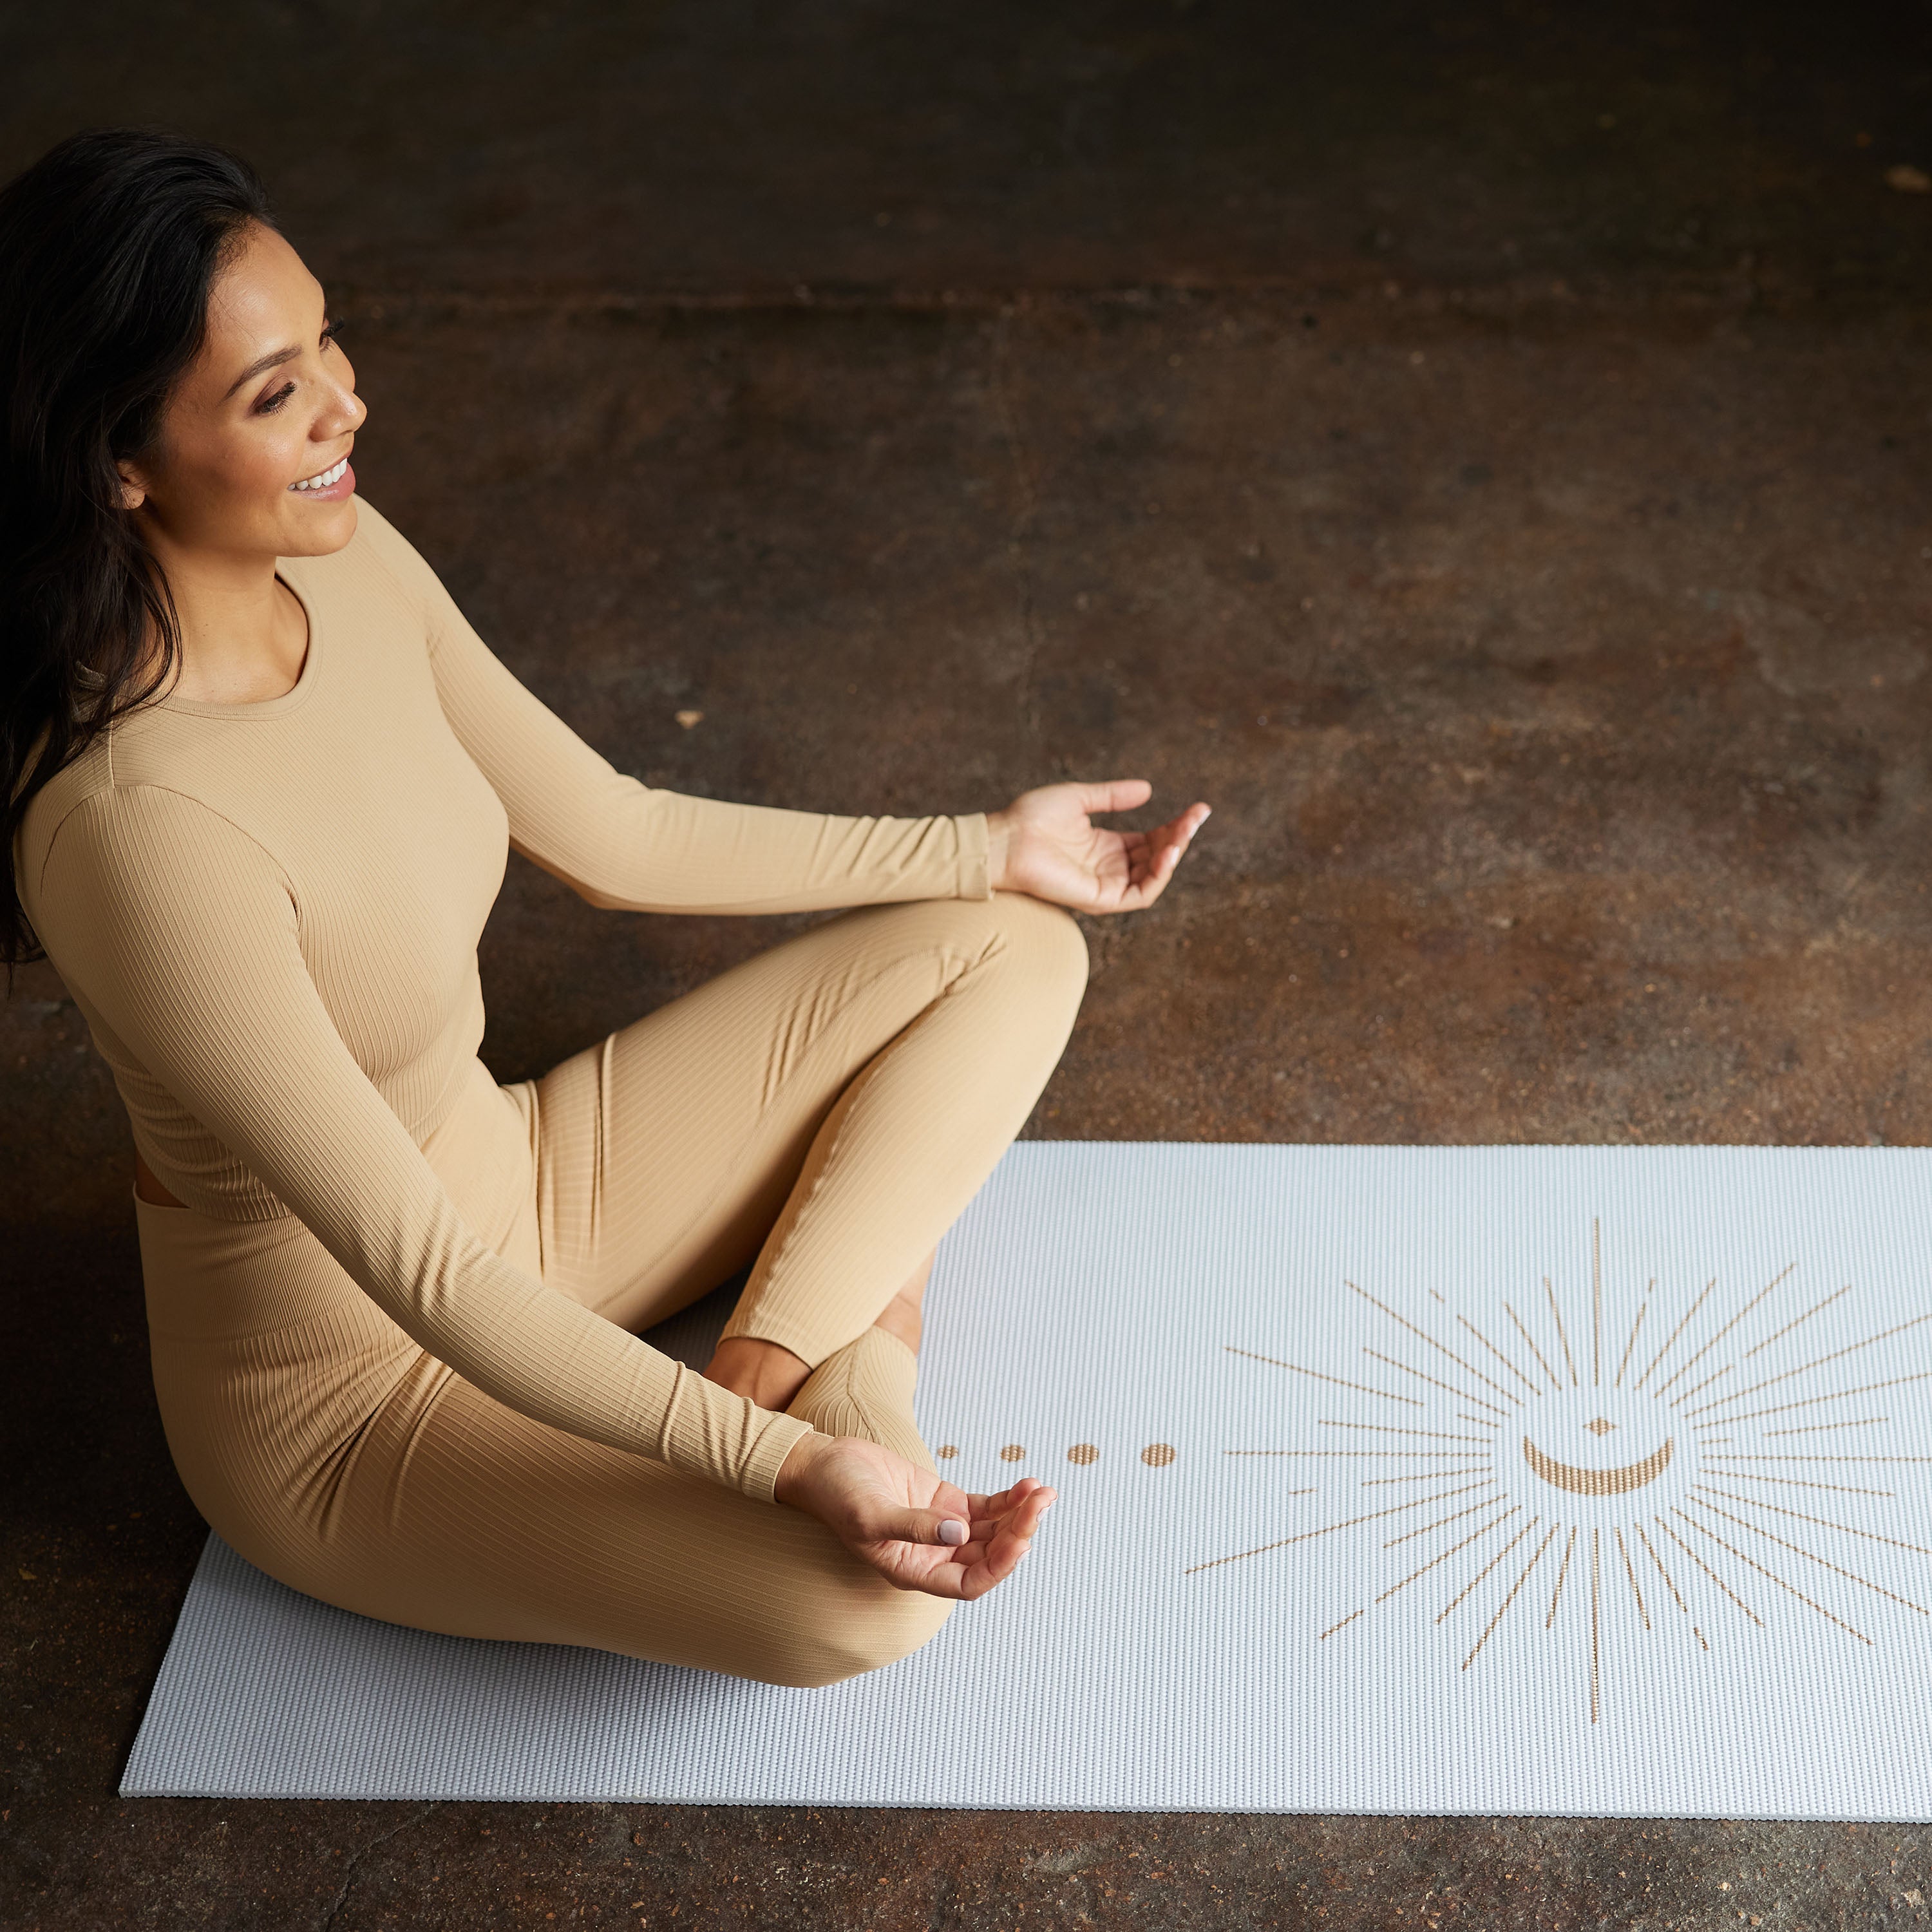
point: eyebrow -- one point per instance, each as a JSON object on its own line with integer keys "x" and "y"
{"x": 260, "y": 366}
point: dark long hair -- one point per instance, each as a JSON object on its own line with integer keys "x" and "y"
{"x": 109, "y": 244}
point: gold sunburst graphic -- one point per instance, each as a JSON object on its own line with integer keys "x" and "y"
{"x": 1517, "y": 1457}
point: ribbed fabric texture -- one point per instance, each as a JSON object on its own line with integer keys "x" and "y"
{"x": 269, "y": 915}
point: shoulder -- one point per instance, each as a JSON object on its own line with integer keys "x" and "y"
{"x": 102, "y": 837}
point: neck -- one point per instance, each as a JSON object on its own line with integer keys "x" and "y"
{"x": 243, "y": 635}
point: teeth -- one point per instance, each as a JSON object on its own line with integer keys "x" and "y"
{"x": 332, "y": 475}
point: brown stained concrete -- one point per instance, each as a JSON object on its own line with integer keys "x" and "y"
{"x": 1515, "y": 526}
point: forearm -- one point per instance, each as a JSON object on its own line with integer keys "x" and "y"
{"x": 628, "y": 847}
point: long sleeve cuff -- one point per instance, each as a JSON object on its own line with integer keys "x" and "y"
{"x": 759, "y": 1478}
{"x": 980, "y": 851}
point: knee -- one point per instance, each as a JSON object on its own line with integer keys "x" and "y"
{"x": 1046, "y": 939}
{"x": 847, "y": 1639}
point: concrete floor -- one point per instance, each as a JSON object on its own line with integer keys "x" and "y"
{"x": 1483, "y": 449}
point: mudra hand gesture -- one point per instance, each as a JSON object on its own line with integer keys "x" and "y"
{"x": 917, "y": 1531}
{"x": 1045, "y": 843}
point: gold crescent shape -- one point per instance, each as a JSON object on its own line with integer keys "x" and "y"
{"x": 1596, "y": 1482}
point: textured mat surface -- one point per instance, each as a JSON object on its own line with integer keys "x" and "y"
{"x": 1552, "y": 1479}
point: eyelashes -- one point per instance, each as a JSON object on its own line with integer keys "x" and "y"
{"x": 269, "y": 404}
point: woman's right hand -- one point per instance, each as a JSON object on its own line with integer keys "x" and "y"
{"x": 917, "y": 1531}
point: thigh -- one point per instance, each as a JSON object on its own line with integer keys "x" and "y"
{"x": 463, "y": 1517}
{"x": 665, "y": 1152}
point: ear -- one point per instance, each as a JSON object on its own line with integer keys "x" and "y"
{"x": 134, "y": 491}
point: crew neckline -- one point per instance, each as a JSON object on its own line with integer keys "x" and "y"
{"x": 263, "y": 707}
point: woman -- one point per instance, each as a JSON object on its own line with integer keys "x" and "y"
{"x": 262, "y": 778}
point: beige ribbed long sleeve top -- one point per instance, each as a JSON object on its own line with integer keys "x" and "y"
{"x": 268, "y": 914}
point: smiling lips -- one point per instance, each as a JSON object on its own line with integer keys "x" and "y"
{"x": 323, "y": 480}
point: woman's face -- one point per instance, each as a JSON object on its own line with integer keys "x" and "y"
{"x": 268, "y": 406}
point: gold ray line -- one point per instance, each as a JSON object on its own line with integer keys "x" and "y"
{"x": 1775, "y": 1577}
{"x": 1728, "y": 1327}
{"x": 1670, "y": 1580}
{"x": 1885, "y": 1335}
{"x": 1823, "y": 1522}
{"x": 1596, "y": 1303}
{"x": 1695, "y": 1386}
{"x": 1428, "y": 1476}
{"x": 1569, "y": 1360}
{"x": 1441, "y": 1522}
{"x": 1329, "y": 1529}
{"x": 1811, "y": 1556}
{"x": 1793, "y": 1482}
{"x": 1499, "y": 1355}
{"x": 1369, "y": 1455}
{"x": 1630, "y": 1571}
{"x": 1339, "y": 1382}
{"x": 1390, "y": 1429}
{"x": 1563, "y": 1570}
{"x": 1468, "y": 1368}
{"x": 1643, "y": 1309}
{"x": 1596, "y": 1544}
{"x": 1470, "y": 1458}
{"x": 1522, "y": 1578}
{"x": 1813, "y": 1401}
{"x": 1491, "y": 1563}
{"x": 1461, "y": 1394}
{"x": 1475, "y": 1537}
{"x": 1782, "y": 1458}
{"x": 1555, "y": 1381}
{"x": 1819, "y": 1428}
{"x": 1708, "y": 1571}
{"x": 1491, "y": 1427}
{"x": 1343, "y": 1624}
{"x": 1674, "y": 1333}
{"x": 1789, "y": 1325}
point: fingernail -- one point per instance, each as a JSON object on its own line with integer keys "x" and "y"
{"x": 953, "y": 1532}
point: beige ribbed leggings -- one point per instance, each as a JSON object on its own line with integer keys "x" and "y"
{"x": 828, "y": 1107}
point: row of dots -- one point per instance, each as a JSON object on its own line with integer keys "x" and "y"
{"x": 1155, "y": 1455}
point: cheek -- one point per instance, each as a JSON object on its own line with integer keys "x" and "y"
{"x": 240, "y": 471}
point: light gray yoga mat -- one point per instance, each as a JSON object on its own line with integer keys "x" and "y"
{"x": 1546, "y": 1480}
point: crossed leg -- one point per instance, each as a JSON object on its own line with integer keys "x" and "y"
{"x": 823, "y": 1110}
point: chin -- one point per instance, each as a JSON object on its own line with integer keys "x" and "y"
{"x": 320, "y": 535}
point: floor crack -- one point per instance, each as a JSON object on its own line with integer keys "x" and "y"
{"x": 356, "y": 1857}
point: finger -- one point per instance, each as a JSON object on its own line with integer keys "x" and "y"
{"x": 1115, "y": 795}
{"x": 945, "y": 1579}
{"x": 1002, "y": 1558}
{"x": 1010, "y": 1539}
{"x": 949, "y": 1527}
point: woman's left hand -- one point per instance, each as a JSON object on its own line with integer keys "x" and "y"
{"x": 1046, "y": 845}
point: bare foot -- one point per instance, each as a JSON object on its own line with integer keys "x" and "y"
{"x": 901, "y": 1317}
{"x": 770, "y": 1375}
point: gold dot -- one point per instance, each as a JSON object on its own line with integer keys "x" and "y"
{"x": 1012, "y": 1453}
{"x": 1157, "y": 1455}
{"x": 1083, "y": 1453}
{"x": 947, "y": 1451}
